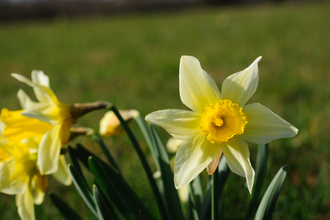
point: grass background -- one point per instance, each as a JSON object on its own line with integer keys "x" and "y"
{"x": 132, "y": 61}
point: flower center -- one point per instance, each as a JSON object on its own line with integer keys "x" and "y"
{"x": 222, "y": 121}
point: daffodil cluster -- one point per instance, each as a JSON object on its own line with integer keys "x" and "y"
{"x": 30, "y": 144}
{"x": 219, "y": 123}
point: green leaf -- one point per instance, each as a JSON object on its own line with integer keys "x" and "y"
{"x": 192, "y": 201}
{"x": 170, "y": 193}
{"x": 145, "y": 165}
{"x": 84, "y": 155}
{"x": 67, "y": 212}
{"x": 197, "y": 188}
{"x": 148, "y": 137}
{"x": 261, "y": 171}
{"x": 104, "y": 209}
{"x": 267, "y": 204}
{"x": 223, "y": 171}
{"x": 105, "y": 150}
{"x": 83, "y": 189}
{"x": 74, "y": 160}
{"x": 111, "y": 182}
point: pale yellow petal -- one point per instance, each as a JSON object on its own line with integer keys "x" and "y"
{"x": 237, "y": 155}
{"x": 38, "y": 196}
{"x": 25, "y": 100}
{"x": 13, "y": 177}
{"x": 42, "y": 112}
{"x": 25, "y": 205}
{"x": 40, "y": 187}
{"x": 49, "y": 151}
{"x": 197, "y": 88}
{"x": 39, "y": 78}
{"x": 173, "y": 144}
{"x": 63, "y": 174}
{"x": 192, "y": 158}
{"x": 264, "y": 126}
{"x": 180, "y": 124}
{"x": 239, "y": 87}
{"x": 46, "y": 91}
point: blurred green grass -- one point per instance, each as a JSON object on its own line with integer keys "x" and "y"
{"x": 132, "y": 61}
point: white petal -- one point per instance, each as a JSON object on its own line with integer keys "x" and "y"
{"x": 40, "y": 111}
{"x": 25, "y": 206}
{"x": 38, "y": 77}
{"x": 197, "y": 88}
{"x": 13, "y": 177}
{"x": 47, "y": 95}
{"x": 237, "y": 156}
{"x": 192, "y": 158}
{"x": 63, "y": 174}
{"x": 239, "y": 87}
{"x": 264, "y": 126}
{"x": 180, "y": 124}
{"x": 49, "y": 151}
{"x": 25, "y": 100}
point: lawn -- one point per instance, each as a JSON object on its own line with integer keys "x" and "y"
{"x": 132, "y": 61}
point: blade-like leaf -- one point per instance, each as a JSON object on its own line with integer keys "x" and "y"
{"x": 84, "y": 154}
{"x": 170, "y": 193}
{"x": 83, "y": 189}
{"x": 105, "y": 150}
{"x": 261, "y": 171}
{"x": 145, "y": 165}
{"x": 267, "y": 204}
{"x": 103, "y": 207}
{"x": 64, "y": 208}
{"x": 148, "y": 137}
{"x": 192, "y": 202}
{"x": 74, "y": 160}
{"x": 198, "y": 192}
{"x": 108, "y": 178}
{"x": 223, "y": 171}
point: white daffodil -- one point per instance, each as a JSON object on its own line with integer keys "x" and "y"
{"x": 55, "y": 115}
{"x": 219, "y": 122}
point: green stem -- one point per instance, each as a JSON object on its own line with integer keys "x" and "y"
{"x": 213, "y": 199}
{"x": 144, "y": 162}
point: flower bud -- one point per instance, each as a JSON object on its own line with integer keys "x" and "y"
{"x": 110, "y": 124}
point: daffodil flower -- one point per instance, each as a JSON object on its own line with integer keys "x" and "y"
{"x": 219, "y": 122}
{"x": 48, "y": 109}
{"x": 19, "y": 174}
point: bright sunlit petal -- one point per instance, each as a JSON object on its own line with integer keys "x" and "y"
{"x": 25, "y": 206}
{"x": 180, "y": 124}
{"x": 265, "y": 126}
{"x": 49, "y": 148}
{"x": 13, "y": 177}
{"x": 239, "y": 87}
{"x": 63, "y": 174}
{"x": 237, "y": 156}
{"x": 193, "y": 156}
{"x": 197, "y": 88}
{"x": 38, "y": 77}
{"x": 25, "y": 100}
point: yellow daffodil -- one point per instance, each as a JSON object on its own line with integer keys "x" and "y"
{"x": 110, "y": 125}
{"x": 55, "y": 115}
{"x": 219, "y": 122}
{"x": 19, "y": 174}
